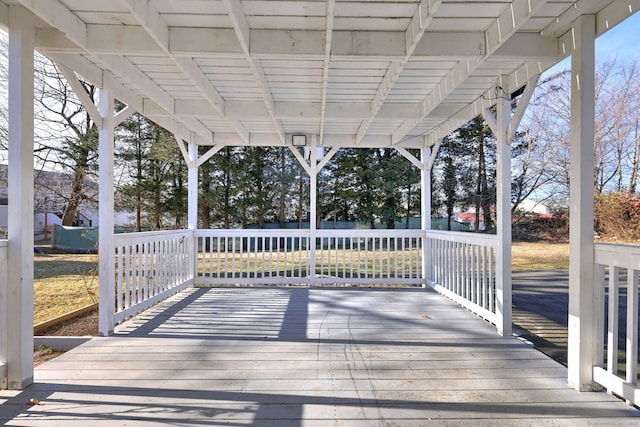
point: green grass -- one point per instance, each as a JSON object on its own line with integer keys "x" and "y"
{"x": 63, "y": 283}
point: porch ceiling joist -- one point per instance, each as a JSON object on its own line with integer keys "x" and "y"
{"x": 243, "y": 34}
{"x": 157, "y": 28}
{"x": 413, "y": 34}
{"x": 504, "y": 27}
{"x": 245, "y": 72}
{"x": 267, "y": 43}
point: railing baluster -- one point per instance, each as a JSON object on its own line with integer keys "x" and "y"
{"x": 632, "y": 327}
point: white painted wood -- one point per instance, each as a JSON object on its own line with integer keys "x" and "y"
{"x": 503, "y": 213}
{"x": 613, "y": 327}
{"x": 192, "y": 190}
{"x": 151, "y": 266}
{"x": 425, "y": 212}
{"x": 4, "y": 320}
{"x": 262, "y": 257}
{"x": 631, "y": 366}
{"x": 340, "y": 54}
{"x": 313, "y": 209}
{"x": 78, "y": 89}
{"x": 624, "y": 386}
{"x": 582, "y": 292}
{"x": 19, "y": 284}
{"x": 106, "y": 246}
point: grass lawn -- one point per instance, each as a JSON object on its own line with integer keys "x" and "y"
{"x": 527, "y": 256}
{"x": 63, "y": 283}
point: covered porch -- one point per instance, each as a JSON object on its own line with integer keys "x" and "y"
{"x": 437, "y": 67}
{"x": 307, "y": 357}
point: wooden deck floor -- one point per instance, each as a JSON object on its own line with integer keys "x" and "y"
{"x": 307, "y": 357}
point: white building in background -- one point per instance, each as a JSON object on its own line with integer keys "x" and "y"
{"x": 533, "y": 206}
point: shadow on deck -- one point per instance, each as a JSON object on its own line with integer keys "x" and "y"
{"x": 307, "y": 357}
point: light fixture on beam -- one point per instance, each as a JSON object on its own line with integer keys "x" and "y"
{"x": 299, "y": 140}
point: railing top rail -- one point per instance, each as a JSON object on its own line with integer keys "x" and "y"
{"x": 151, "y": 236}
{"x": 490, "y": 240}
{"x": 626, "y": 256}
{"x": 305, "y": 232}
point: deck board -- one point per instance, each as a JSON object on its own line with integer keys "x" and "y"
{"x": 307, "y": 357}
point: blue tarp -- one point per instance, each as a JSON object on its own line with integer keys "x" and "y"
{"x": 75, "y": 239}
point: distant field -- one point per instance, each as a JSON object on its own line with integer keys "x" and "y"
{"x": 66, "y": 282}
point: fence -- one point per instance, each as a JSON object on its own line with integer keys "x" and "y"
{"x": 150, "y": 266}
{"x": 617, "y": 271}
{"x": 337, "y": 257}
{"x": 462, "y": 266}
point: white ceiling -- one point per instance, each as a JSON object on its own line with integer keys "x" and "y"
{"x": 348, "y": 73}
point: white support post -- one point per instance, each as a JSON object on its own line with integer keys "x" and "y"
{"x": 503, "y": 215}
{"x": 582, "y": 346}
{"x": 19, "y": 292}
{"x": 106, "y": 243}
{"x": 313, "y": 210}
{"x": 425, "y": 212}
{"x": 192, "y": 211}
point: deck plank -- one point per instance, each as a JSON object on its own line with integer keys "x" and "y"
{"x": 307, "y": 357}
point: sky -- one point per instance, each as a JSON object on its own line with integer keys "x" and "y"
{"x": 623, "y": 41}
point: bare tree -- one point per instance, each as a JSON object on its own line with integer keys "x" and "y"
{"x": 66, "y": 137}
{"x": 617, "y": 114}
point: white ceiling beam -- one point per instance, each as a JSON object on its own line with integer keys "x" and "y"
{"x": 326, "y": 66}
{"x": 157, "y": 28}
{"x": 264, "y": 44}
{"x": 241, "y": 27}
{"x": 418, "y": 25}
{"x": 76, "y": 31}
{"x": 528, "y": 46}
{"x": 4, "y": 15}
{"x": 295, "y": 110}
{"x": 58, "y": 16}
{"x": 505, "y": 26}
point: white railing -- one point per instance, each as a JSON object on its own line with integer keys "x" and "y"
{"x": 337, "y": 257}
{"x": 150, "y": 266}
{"x": 4, "y": 324}
{"x": 618, "y": 372}
{"x": 462, "y": 266}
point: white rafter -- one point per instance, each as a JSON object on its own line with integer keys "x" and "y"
{"x": 515, "y": 15}
{"x": 418, "y": 25}
{"x": 241, "y": 27}
{"x": 331, "y": 4}
{"x": 158, "y": 29}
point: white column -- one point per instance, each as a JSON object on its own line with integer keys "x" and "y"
{"x": 192, "y": 165}
{"x": 192, "y": 210}
{"x": 313, "y": 209}
{"x": 19, "y": 293}
{"x": 425, "y": 212}
{"x": 106, "y": 244}
{"x": 503, "y": 215}
{"x": 583, "y": 310}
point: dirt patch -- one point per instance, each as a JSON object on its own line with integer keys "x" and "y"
{"x": 85, "y": 324}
